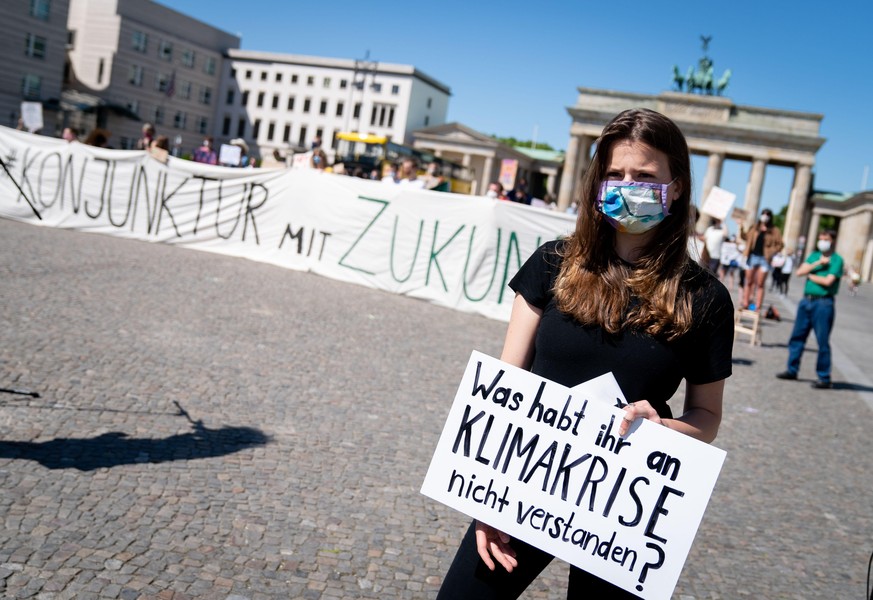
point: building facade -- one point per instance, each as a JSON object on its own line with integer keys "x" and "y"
{"x": 33, "y": 42}
{"x": 283, "y": 102}
{"x": 160, "y": 65}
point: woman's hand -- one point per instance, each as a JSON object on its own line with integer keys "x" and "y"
{"x": 632, "y": 412}
{"x": 492, "y": 542}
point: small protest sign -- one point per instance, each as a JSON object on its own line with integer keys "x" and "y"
{"x": 718, "y": 203}
{"x": 229, "y": 155}
{"x": 31, "y": 116}
{"x": 545, "y": 464}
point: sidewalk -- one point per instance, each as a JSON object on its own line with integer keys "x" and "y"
{"x": 211, "y": 427}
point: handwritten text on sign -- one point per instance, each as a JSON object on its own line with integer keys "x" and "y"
{"x": 545, "y": 464}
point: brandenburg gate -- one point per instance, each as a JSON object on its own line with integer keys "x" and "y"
{"x": 714, "y": 127}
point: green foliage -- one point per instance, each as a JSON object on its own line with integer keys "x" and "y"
{"x": 511, "y": 141}
{"x": 779, "y": 219}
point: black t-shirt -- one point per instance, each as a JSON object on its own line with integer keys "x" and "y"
{"x": 646, "y": 367}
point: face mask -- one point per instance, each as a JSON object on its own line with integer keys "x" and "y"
{"x": 823, "y": 246}
{"x": 765, "y": 218}
{"x": 633, "y": 207}
{"x": 491, "y": 194}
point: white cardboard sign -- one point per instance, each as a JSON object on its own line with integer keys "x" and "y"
{"x": 718, "y": 203}
{"x": 545, "y": 464}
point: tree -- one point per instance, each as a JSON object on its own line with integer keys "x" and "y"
{"x": 511, "y": 141}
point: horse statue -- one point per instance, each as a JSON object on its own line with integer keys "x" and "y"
{"x": 722, "y": 83}
{"x": 678, "y": 79}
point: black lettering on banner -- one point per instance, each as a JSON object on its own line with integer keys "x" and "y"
{"x": 95, "y": 215}
{"x": 202, "y": 197}
{"x": 342, "y": 260}
{"x": 300, "y": 235}
{"x": 433, "y": 255}
{"x": 75, "y": 193}
{"x": 251, "y": 208}
{"x": 25, "y": 167}
{"x": 57, "y": 189}
{"x": 414, "y": 255}
{"x": 239, "y": 213}
{"x": 130, "y": 197}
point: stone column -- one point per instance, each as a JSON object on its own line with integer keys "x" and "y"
{"x": 753, "y": 190}
{"x": 713, "y": 174}
{"x": 811, "y": 235}
{"x": 568, "y": 176}
{"x": 797, "y": 205}
{"x": 485, "y": 178}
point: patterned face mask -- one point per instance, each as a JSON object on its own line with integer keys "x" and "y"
{"x": 633, "y": 206}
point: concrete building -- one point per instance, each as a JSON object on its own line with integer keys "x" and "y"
{"x": 483, "y": 156}
{"x": 854, "y": 216}
{"x": 284, "y": 101}
{"x": 150, "y": 61}
{"x": 33, "y": 38}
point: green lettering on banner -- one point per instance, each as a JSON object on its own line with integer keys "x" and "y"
{"x": 467, "y": 265}
{"x": 414, "y": 256}
{"x": 342, "y": 259}
{"x": 433, "y": 255}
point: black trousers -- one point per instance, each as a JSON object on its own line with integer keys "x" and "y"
{"x": 469, "y": 579}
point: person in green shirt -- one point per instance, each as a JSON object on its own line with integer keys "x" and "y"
{"x": 823, "y": 270}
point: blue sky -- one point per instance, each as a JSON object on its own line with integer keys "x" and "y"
{"x": 513, "y": 67}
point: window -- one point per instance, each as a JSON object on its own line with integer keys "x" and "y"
{"x": 293, "y": 78}
{"x": 357, "y": 112}
{"x": 230, "y": 97}
{"x": 188, "y": 58}
{"x": 271, "y": 131}
{"x": 319, "y": 132}
{"x": 31, "y": 86}
{"x": 180, "y": 119}
{"x": 225, "y": 125}
{"x": 322, "y": 108}
{"x": 40, "y": 9}
{"x": 426, "y": 121}
{"x": 71, "y": 39}
{"x": 306, "y": 104}
{"x": 395, "y": 89}
{"x": 376, "y": 87}
{"x": 248, "y": 74}
{"x": 344, "y": 84}
{"x": 290, "y": 102}
{"x": 301, "y": 139}
{"x": 391, "y": 117}
{"x": 339, "y": 109}
{"x": 34, "y": 46}
{"x": 263, "y": 76}
{"x": 275, "y": 100}
{"x": 310, "y": 80}
{"x": 205, "y": 95}
{"x": 140, "y": 41}
{"x": 256, "y": 129}
{"x": 278, "y": 77}
{"x": 429, "y": 102}
{"x": 134, "y": 76}
{"x": 382, "y": 115}
{"x": 233, "y": 73}
{"x": 261, "y": 99}
{"x": 158, "y": 116}
{"x": 185, "y": 90}
{"x": 133, "y": 106}
{"x": 101, "y": 66}
{"x": 202, "y": 125}
{"x": 244, "y": 98}
{"x": 326, "y": 82}
{"x": 165, "y": 50}
{"x": 209, "y": 65}
{"x": 161, "y": 82}
{"x": 286, "y": 135}
{"x": 241, "y": 128}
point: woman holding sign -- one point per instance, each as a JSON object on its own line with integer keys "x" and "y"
{"x": 622, "y": 295}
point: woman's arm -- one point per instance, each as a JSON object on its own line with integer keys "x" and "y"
{"x": 518, "y": 349}
{"x": 701, "y": 417}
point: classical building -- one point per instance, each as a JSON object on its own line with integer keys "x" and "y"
{"x": 483, "y": 157}
{"x": 147, "y": 61}
{"x": 854, "y": 214}
{"x": 714, "y": 127}
{"x": 33, "y": 44}
{"x": 285, "y": 101}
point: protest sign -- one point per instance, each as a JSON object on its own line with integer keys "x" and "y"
{"x": 31, "y": 115}
{"x": 229, "y": 155}
{"x": 508, "y": 171}
{"x": 545, "y": 464}
{"x": 718, "y": 203}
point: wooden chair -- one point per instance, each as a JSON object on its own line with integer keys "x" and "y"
{"x": 748, "y": 322}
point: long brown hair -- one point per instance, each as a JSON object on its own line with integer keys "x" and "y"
{"x": 594, "y": 284}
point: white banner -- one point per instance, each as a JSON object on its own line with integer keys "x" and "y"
{"x": 453, "y": 250}
{"x": 545, "y": 464}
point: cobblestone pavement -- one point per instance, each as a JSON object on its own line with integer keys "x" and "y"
{"x": 210, "y": 427}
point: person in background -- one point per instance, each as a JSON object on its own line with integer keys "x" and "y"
{"x": 730, "y": 256}
{"x": 823, "y": 270}
{"x": 98, "y": 137}
{"x": 145, "y": 140}
{"x": 713, "y": 238}
{"x": 205, "y": 154}
{"x": 495, "y": 191}
{"x": 762, "y": 242}
{"x": 408, "y": 175}
{"x": 787, "y": 268}
{"x": 318, "y": 160}
{"x": 776, "y": 264}
{"x": 70, "y": 134}
{"x": 618, "y": 294}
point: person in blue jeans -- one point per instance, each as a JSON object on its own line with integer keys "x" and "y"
{"x": 823, "y": 270}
